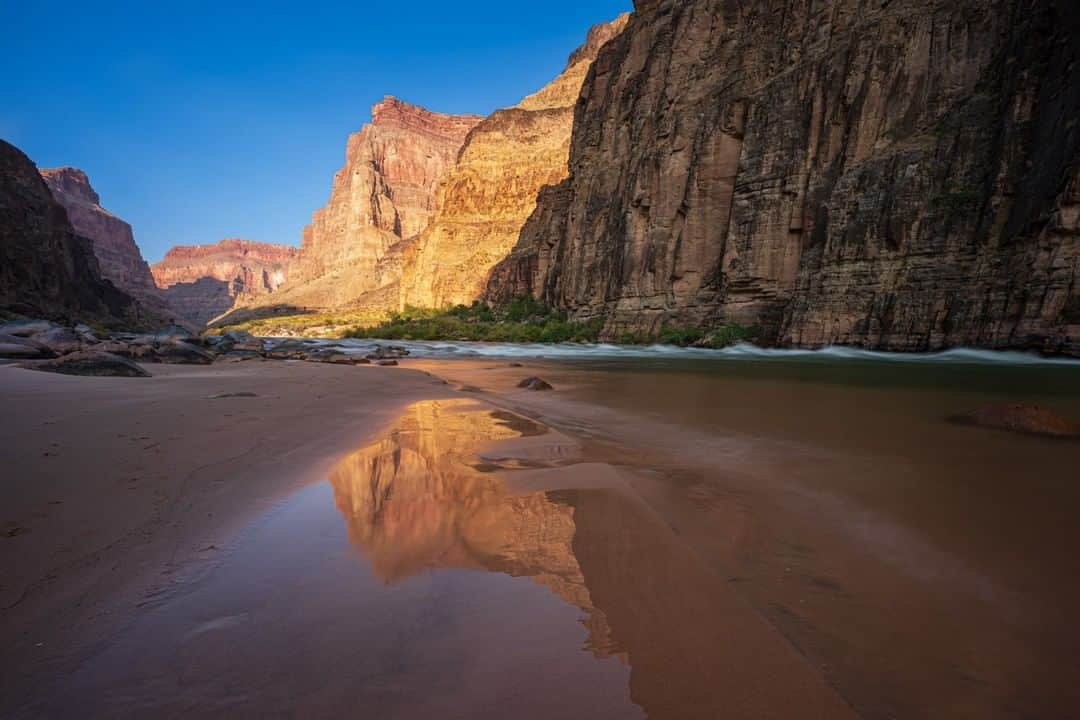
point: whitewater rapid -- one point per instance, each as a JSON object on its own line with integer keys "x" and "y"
{"x": 740, "y": 352}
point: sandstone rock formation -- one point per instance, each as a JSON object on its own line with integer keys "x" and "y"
{"x": 114, "y": 243}
{"x": 491, "y": 190}
{"x": 200, "y": 282}
{"x": 897, "y": 175}
{"x": 385, "y": 193}
{"x": 46, "y": 269}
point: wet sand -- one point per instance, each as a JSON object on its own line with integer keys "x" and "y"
{"x": 678, "y": 541}
{"x": 117, "y": 492}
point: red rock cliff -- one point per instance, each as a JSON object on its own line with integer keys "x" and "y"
{"x": 384, "y": 193}
{"x": 487, "y": 196}
{"x": 201, "y": 282}
{"x": 112, "y": 238}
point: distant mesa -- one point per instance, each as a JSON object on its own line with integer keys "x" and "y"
{"x": 201, "y": 282}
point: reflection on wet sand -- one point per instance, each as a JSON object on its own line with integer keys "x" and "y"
{"x": 417, "y": 499}
{"x": 414, "y": 500}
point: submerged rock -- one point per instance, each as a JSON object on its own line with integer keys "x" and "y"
{"x": 90, "y": 362}
{"x": 1029, "y": 419}
{"x": 535, "y": 383}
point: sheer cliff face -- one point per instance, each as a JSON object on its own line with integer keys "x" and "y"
{"x": 113, "y": 242}
{"x": 491, "y": 190}
{"x": 384, "y": 193}
{"x": 46, "y": 269}
{"x": 201, "y": 282}
{"x": 898, "y": 175}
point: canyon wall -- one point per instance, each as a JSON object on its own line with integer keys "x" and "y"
{"x": 898, "y": 175}
{"x": 46, "y": 269}
{"x": 491, "y": 190}
{"x": 114, "y": 243}
{"x": 200, "y": 282}
{"x": 384, "y": 194}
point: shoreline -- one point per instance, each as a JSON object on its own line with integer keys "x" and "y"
{"x": 776, "y": 504}
{"x": 139, "y": 485}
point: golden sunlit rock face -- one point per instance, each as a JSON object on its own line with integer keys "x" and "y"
{"x": 414, "y": 500}
{"x": 383, "y": 194}
{"x": 491, "y": 191}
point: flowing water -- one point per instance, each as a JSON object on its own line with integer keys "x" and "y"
{"x": 669, "y": 535}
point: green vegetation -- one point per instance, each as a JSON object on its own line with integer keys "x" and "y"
{"x": 722, "y": 337}
{"x": 527, "y": 320}
{"x": 303, "y": 324}
{"x": 524, "y": 320}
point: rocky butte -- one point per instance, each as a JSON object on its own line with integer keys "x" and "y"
{"x": 384, "y": 193}
{"x": 200, "y": 282}
{"x": 46, "y": 268}
{"x": 114, "y": 243}
{"x": 898, "y": 175}
{"x": 487, "y": 196}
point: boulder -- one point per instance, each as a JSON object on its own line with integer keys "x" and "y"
{"x": 21, "y": 348}
{"x": 389, "y": 352}
{"x": 128, "y": 349}
{"x": 535, "y": 383}
{"x": 239, "y": 356}
{"x": 26, "y": 328}
{"x": 177, "y": 332}
{"x": 87, "y": 333}
{"x": 288, "y": 350}
{"x": 333, "y": 357}
{"x": 180, "y": 352}
{"x": 60, "y": 340}
{"x": 90, "y": 362}
{"x": 1028, "y": 419}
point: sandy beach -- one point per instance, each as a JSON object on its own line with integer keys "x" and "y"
{"x": 114, "y": 491}
{"x": 299, "y": 539}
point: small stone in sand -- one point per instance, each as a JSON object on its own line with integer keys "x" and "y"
{"x": 535, "y": 383}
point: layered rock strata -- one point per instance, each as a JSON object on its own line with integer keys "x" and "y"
{"x": 113, "y": 241}
{"x": 487, "y": 196}
{"x": 384, "y": 194}
{"x": 901, "y": 175}
{"x": 200, "y": 282}
{"x": 46, "y": 269}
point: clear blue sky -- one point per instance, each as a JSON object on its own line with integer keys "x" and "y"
{"x": 203, "y": 120}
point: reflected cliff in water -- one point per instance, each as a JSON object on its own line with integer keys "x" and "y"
{"x": 421, "y": 498}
